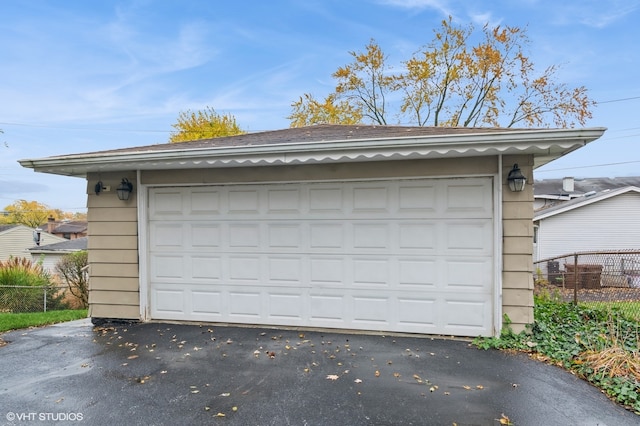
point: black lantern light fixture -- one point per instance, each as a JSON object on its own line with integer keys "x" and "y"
{"x": 124, "y": 189}
{"x": 516, "y": 179}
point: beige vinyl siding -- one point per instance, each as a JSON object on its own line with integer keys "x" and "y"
{"x": 517, "y": 246}
{"x": 113, "y": 251}
{"x": 609, "y": 224}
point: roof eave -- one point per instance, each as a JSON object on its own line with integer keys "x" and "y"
{"x": 546, "y": 145}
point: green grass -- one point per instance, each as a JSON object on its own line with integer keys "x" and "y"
{"x": 36, "y": 319}
{"x": 630, "y": 309}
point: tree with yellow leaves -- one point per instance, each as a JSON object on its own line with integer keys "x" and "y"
{"x": 204, "y": 124}
{"x": 28, "y": 213}
{"x": 451, "y": 82}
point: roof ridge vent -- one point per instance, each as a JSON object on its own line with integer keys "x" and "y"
{"x": 590, "y": 194}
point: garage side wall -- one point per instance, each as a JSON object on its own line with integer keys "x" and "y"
{"x": 113, "y": 250}
{"x": 517, "y": 245}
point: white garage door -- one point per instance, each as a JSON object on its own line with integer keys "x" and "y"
{"x": 393, "y": 255}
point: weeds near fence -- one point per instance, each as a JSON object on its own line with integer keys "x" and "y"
{"x": 26, "y": 287}
{"x": 600, "y": 345}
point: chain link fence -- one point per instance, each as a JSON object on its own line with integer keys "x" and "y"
{"x": 18, "y": 299}
{"x": 607, "y": 279}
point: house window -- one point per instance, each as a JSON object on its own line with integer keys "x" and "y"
{"x": 535, "y": 234}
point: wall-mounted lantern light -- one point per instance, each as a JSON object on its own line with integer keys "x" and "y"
{"x": 516, "y": 179}
{"x": 124, "y": 189}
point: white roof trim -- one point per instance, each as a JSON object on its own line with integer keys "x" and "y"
{"x": 584, "y": 202}
{"x": 545, "y": 144}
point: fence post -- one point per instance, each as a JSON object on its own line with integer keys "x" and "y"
{"x": 575, "y": 279}
{"x": 45, "y": 299}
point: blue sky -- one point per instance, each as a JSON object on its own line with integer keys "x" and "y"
{"x": 80, "y": 76}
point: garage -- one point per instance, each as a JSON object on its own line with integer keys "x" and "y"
{"x": 402, "y": 255}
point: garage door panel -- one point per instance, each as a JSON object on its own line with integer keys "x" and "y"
{"x": 327, "y": 270}
{"x": 167, "y": 267}
{"x": 327, "y": 309}
{"x": 244, "y": 201}
{"x": 417, "y": 274}
{"x": 371, "y": 311}
{"x": 205, "y": 202}
{"x": 167, "y": 235}
{"x": 168, "y": 301}
{"x": 326, "y": 200}
{"x": 371, "y": 236}
{"x": 285, "y": 270}
{"x": 394, "y": 255}
{"x": 207, "y": 268}
{"x": 417, "y": 313}
{"x": 205, "y": 235}
{"x": 167, "y": 203}
{"x": 422, "y": 236}
{"x": 417, "y": 198}
{"x": 371, "y": 272}
{"x": 471, "y": 237}
{"x": 465, "y": 315}
{"x": 245, "y": 305}
{"x": 208, "y": 303}
{"x": 284, "y": 236}
{"x": 243, "y": 235}
{"x": 289, "y": 307}
{"x": 327, "y": 236}
{"x": 244, "y": 269}
{"x": 472, "y": 274}
{"x": 368, "y": 199}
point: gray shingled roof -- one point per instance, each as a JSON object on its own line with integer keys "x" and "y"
{"x": 316, "y": 133}
{"x": 584, "y": 185}
{"x": 64, "y": 246}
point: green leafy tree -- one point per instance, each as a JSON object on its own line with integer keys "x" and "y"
{"x": 72, "y": 268}
{"x": 204, "y": 124}
{"x": 454, "y": 82}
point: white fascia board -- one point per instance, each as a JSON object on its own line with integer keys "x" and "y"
{"x": 545, "y": 143}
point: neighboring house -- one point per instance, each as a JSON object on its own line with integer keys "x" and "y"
{"x": 605, "y": 220}
{"x": 69, "y": 230}
{"x": 51, "y": 254}
{"x": 551, "y": 192}
{"x": 385, "y": 228}
{"x": 16, "y": 240}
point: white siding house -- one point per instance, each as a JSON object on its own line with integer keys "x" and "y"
{"x": 16, "y": 240}
{"x": 608, "y": 220}
{"x": 51, "y": 254}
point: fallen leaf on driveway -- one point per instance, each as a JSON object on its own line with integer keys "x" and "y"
{"x": 333, "y": 377}
{"x": 504, "y": 420}
{"x": 357, "y": 381}
{"x": 377, "y": 374}
{"x": 467, "y": 387}
{"x": 132, "y": 356}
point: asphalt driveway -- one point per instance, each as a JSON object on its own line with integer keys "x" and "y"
{"x": 169, "y": 374}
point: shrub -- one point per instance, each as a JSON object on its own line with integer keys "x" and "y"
{"x": 17, "y": 275}
{"x": 73, "y": 269}
{"x": 600, "y": 345}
